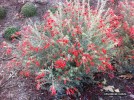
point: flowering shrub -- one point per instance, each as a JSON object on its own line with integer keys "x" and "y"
{"x": 74, "y": 41}
{"x": 126, "y": 31}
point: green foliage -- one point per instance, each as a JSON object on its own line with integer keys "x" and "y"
{"x": 9, "y": 32}
{"x": 2, "y": 13}
{"x": 53, "y": 9}
{"x": 29, "y": 9}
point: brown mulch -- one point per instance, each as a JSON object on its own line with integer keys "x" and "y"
{"x": 125, "y": 86}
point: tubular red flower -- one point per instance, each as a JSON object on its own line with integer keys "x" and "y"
{"x": 71, "y": 91}
{"x": 63, "y": 40}
{"x": 41, "y": 75}
{"x": 60, "y": 63}
{"x": 101, "y": 68}
{"x": 47, "y": 46}
{"x": 131, "y": 32}
{"x": 53, "y": 90}
{"x": 26, "y": 73}
{"x": 8, "y": 51}
{"x": 104, "y": 51}
{"x": 37, "y": 63}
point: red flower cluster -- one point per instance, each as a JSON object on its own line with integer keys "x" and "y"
{"x": 60, "y": 63}
{"x": 63, "y": 40}
{"x": 71, "y": 91}
{"x": 25, "y": 73}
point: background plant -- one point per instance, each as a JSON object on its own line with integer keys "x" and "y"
{"x": 28, "y": 9}
{"x": 2, "y": 13}
{"x": 53, "y": 9}
{"x": 11, "y": 32}
{"x": 74, "y": 42}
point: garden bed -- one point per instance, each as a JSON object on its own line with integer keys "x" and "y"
{"x": 15, "y": 87}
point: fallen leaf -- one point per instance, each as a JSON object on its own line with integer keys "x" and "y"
{"x": 117, "y": 90}
{"x": 132, "y": 96}
{"x": 127, "y": 76}
{"x": 109, "y": 88}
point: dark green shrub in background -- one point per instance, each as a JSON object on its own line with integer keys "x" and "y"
{"x": 53, "y": 9}
{"x": 9, "y": 32}
{"x": 28, "y": 10}
{"x": 2, "y": 13}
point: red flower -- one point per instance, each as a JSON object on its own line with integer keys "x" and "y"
{"x": 47, "y": 46}
{"x": 26, "y": 73}
{"x": 75, "y": 53}
{"x": 18, "y": 33}
{"x": 87, "y": 56}
{"x": 104, "y": 51}
{"x": 40, "y": 76}
{"x": 125, "y": 26}
{"x": 120, "y": 41}
{"x": 60, "y": 63}
{"x": 71, "y": 91}
{"x": 53, "y": 90}
{"x": 65, "y": 81}
{"x": 78, "y": 29}
{"x": 101, "y": 68}
{"x": 8, "y": 51}
{"x": 101, "y": 24}
{"x": 63, "y": 40}
{"x": 37, "y": 63}
{"x": 36, "y": 49}
{"x": 87, "y": 70}
{"x": 108, "y": 65}
{"x": 111, "y": 12}
{"x": 131, "y": 31}
{"x": 112, "y": 1}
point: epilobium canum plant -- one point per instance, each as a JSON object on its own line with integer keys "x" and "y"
{"x": 74, "y": 41}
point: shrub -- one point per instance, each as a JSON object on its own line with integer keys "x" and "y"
{"x": 2, "y": 13}
{"x": 53, "y": 9}
{"x": 126, "y": 48}
{"x": 10, "y": 33}
{"x": 74, "y": 42}
{"x": 28, "y": 10}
